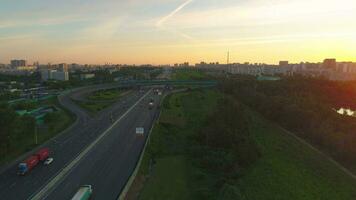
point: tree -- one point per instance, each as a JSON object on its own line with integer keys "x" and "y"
{"x": 7, "y": 126}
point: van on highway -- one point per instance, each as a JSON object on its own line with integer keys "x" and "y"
{"x": 84, "y": 193}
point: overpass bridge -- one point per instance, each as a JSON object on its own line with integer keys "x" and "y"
{"x": 168, "y": 82}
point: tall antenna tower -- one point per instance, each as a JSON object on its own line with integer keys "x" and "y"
{"x": 228, "y": 57}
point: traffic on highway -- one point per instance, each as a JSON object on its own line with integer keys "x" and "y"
{"x": 94, "y": 158}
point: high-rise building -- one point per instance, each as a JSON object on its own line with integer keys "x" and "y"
{"x": 344, "y": 67}
{"x": 61, "y": 76}
{"x": 46, "y": 74}
{"x": 86, "y": 76}
{"x": 283, "y": 63}
{"x": 63, "y": 67}
{"x": 329, "y": 64}
{"x": 49, "y": 74}
{"x": 18, "y": 63}
{"x": 36, "y": 64}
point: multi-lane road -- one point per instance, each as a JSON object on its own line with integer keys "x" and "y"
{"x": 96, "y": 150}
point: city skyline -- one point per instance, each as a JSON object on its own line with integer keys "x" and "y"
{"x": 176, "y": 31}
{"x": 21, "y": 63}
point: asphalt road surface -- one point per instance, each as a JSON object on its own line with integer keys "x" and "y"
{"x": 97, "y": 151}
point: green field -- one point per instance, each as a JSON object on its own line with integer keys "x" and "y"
{"x": 167, "y": 185}
{"x": 291, "y": 170}
{"x": 182, "y": 115}
{"x": 287, "y": 169}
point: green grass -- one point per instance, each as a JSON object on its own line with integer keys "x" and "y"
{"x": 100, "y": 100}
{"x": 93, "y": 107}
{"x": 188, "y": 74}
{"x": 171, "y": 173}
{"x": 106, "y": 95}
{"x": 291, "y": 170}
{"x": 166, "y": 184}
{"x": 287, "y": 169}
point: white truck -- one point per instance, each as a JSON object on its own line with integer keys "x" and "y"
{"x": 83, "y": 193}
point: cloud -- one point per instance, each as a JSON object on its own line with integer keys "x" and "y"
{"x": 165, "y": 18}
{"x": 258, "y": 13}
{"x": 160, "y": 22}
{"x": 104, "y": 29}
{"x": 13, "y": 23}
{"x": 19, "y": 37}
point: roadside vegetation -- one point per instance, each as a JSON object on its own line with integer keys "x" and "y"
{"x": 169, "y": 145}
{"x": 27, "y": 80}
{"x": 138, "y": 73}
{"x": 288, "y": 169}
{"x": 188, "y": 74}
{"x": 18, "y": 133}
{"x": 6, "y": 96}
{"x": 55, "y": 122}
{"x": 93, "y": 107}
{"x": 208, "y": 145}
{"x": 193, "y": 153}
{"x": 101, "y": 99}
{"x": 106, "y": 95}
{"x": 305, "y": 107}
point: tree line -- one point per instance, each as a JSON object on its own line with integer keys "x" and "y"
{"x": 14, "y": 130}
{"x": 305, "y": 107}
{"x": 216, "y": 140}
{"x": 224, "y": 148}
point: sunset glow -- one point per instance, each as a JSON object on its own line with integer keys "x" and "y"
{"x": 169, "y": 31}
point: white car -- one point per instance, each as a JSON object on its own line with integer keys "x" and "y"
{"x": 48, "y": 161}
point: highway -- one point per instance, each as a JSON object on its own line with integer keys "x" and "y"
{"x": 96, "y": 151}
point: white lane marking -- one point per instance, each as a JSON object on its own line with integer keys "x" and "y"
{"x": 43, "y": 193}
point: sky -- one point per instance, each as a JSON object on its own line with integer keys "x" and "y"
{"x": 175, "y": 31}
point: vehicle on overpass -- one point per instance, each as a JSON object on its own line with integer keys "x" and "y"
{"x": 155, "y": 91}
{"x": 32, "y": 161}
{"x": 84, "y": 193}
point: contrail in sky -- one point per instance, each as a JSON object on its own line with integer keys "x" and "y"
{"x": 165, "y": 18}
